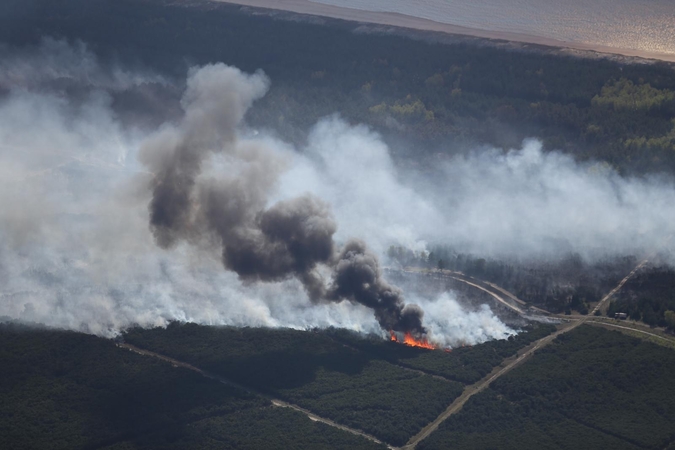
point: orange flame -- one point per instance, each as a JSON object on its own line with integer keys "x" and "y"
{"x": 409, "y": 340}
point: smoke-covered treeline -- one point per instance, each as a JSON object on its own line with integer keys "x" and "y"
{"x": 87, "y": 198}
{"x": 108, "y": 222}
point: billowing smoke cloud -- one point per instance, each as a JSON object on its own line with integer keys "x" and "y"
{"x": 75, "y": 247}
{"x": 523, "y": 204}
{"x": 76, "y": 250}
{"x": 357, "y": 277}
{"x": 351, "y": 168}
{"x": 292, "y": 238}
{"x": 529, "y": 203}
{"x": 452, "y": 326}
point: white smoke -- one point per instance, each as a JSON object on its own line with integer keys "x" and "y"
{"x": 351, "y": 168}
{"x": 76, "y": 250}
{"x": 451, "y": 325}
{"x": 523, "y": 203}
{"x": 75, "y": 247}
{"x": 531, "y": 204}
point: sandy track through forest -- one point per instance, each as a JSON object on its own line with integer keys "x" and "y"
{"x": 275, "y": 401}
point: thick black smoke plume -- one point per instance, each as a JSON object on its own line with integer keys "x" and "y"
{"x": 292, "y": 238}
{"x": 357, "y": 276}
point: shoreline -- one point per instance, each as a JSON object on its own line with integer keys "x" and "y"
{"x": 401, "y": 21}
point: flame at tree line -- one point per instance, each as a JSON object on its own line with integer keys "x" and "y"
{"x": 409, "y": 340}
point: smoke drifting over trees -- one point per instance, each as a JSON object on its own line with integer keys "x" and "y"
{"x": 290, "y": 238}
{"x": 80, "y": 248}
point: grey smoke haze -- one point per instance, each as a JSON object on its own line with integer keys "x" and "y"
{"x": 292, "y": 238}
{"x": 57, "y": 64}
{"x": 77, "y": 251}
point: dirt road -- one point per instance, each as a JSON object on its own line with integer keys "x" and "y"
{"x": 666, "y": 341}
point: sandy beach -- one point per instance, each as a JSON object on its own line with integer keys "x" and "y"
{"x": 415, "y": 23}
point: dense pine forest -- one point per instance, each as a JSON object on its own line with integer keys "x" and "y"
{"x": 591, "y": 388}
{"x": 69, "y": 390}
{"x": 65, "y": 390}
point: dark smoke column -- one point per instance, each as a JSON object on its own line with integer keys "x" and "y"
{"x": 290, "y": 239}
{"x": 357, "y": 277}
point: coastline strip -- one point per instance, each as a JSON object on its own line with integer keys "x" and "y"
{"x": 398, "y": 20}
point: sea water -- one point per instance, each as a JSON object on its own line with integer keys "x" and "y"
{"x": 644, "y": 25}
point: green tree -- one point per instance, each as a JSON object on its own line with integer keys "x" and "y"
{"x": 670, "y": 319}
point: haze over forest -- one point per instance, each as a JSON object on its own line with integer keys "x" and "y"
{"x": 522, "y": 203}
{"x": 396, "y": 232}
